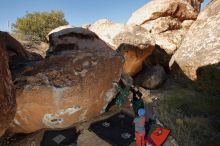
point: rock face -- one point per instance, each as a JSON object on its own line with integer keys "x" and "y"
{"x": 201, "y": 46}
{"x": 58, "y": 29}
{"x": 38, "y": 48}
{"x": 73, "y": 83}
{"x": 134, "y": 42}
{"x": 15, "y": 50}
{"x": 162, "y": 8}
{"x": 7, "y": 93}
{"x": 17, "y": 54}
{"x": 196, "y": 4}
{"x": 151, "y": 77}
{"x": 167, "y": 20}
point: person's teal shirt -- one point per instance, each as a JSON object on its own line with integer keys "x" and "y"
{"x": 139, "y": 123}
{"x": 123, "y": 93}
{"x": 137, "y": 104}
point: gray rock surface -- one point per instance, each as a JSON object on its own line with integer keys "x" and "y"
{"x": 151, "y": 77}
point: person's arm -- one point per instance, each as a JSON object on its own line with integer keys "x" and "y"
{"x": 120, "y": 89}
{"x": 135, "y": 121}
{"x": 117, "y": 85}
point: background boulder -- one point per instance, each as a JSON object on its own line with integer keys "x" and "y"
{"x": 167, "y": 21}
{"x": 196, "y": 4}
{"x": 201, "y": 46}
{"x": 18, "y": 57}
{"x": 163, "y": 8}
{"x": 133, "y": 42}
{"x": 151, "y": 77}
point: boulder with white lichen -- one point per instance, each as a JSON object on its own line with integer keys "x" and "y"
{"x": 73, "y": 83}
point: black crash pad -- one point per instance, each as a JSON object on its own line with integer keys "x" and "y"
{"x": 118, "y": 130}
{"x": 65, "y": 137}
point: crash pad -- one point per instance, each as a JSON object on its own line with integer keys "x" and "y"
{"x": 157, "y": 137}
{"x": 66, "y": 137}
{"x": 117, "y": 130}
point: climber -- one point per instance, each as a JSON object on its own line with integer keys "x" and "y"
{"x": 123, "y": 88}
{"x": 123, "y": 92}
{"x": 136, "y": 101}
{"x": 139, "y": 123}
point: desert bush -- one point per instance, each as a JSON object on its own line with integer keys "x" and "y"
{"x": 38, "y": 24}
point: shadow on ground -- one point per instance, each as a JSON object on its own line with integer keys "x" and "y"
{"x": 191, "y": 108}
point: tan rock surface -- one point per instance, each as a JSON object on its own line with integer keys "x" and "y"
{"x": 170, "y": 40}
{"x": 162, "y": 8}
{"x": 196, "y": 4}
{"x": 74, "y": 82}
{"x": 134, "y": 42}
{"x": 167, "y": 20}
{"x": 134, "y": 55}
{"x": 201, "y": 46}
{"x": 162, "y": 24}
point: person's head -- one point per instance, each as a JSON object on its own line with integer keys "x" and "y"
{"x": 139, "y": 94}
{"x": 141, "y": 112}
{"x": 127, "y": 80}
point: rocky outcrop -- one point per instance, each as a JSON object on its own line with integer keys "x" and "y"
{"x": 17, "y": 54}
{"x": 15, "y": 50}
{"x": 151, "y": 77}
{"x": 167, "y": 20}
{"x": 73, "y": 83}
{"x": 201, "y": 46}
{"x": 62, "y": 39}
{"x": 35, "y": 47}
{"x": 7, "y": 93}
{"x": 163, "y": 8}
{"x": 196, "y": 4}
{"x": 134, "y": 42}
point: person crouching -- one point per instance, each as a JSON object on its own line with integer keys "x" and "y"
{"x": 139, "y": 123}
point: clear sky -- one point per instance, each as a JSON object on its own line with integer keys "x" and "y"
{"x": 77, "y": 12}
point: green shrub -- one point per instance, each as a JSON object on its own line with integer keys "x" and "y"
{"x": 39, "y": 24}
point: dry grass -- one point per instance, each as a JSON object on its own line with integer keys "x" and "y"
{"x": 193, "y": 117}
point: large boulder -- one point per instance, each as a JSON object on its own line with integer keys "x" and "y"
{"x": 151, "y": 77}
{"x": 134, "y": 42}
{"x": 167, "y": 20}
{"x": 7, "y": 93}
{"x": 73, "y": 83}
{"x": 201, "y": 46}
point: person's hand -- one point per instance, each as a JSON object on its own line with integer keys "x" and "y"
{"x": 115, "y": 83}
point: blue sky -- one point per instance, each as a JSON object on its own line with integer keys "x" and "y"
{"x": 77, "y": 12}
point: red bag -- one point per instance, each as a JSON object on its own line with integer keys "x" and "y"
{"x": 157, "y": 137}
